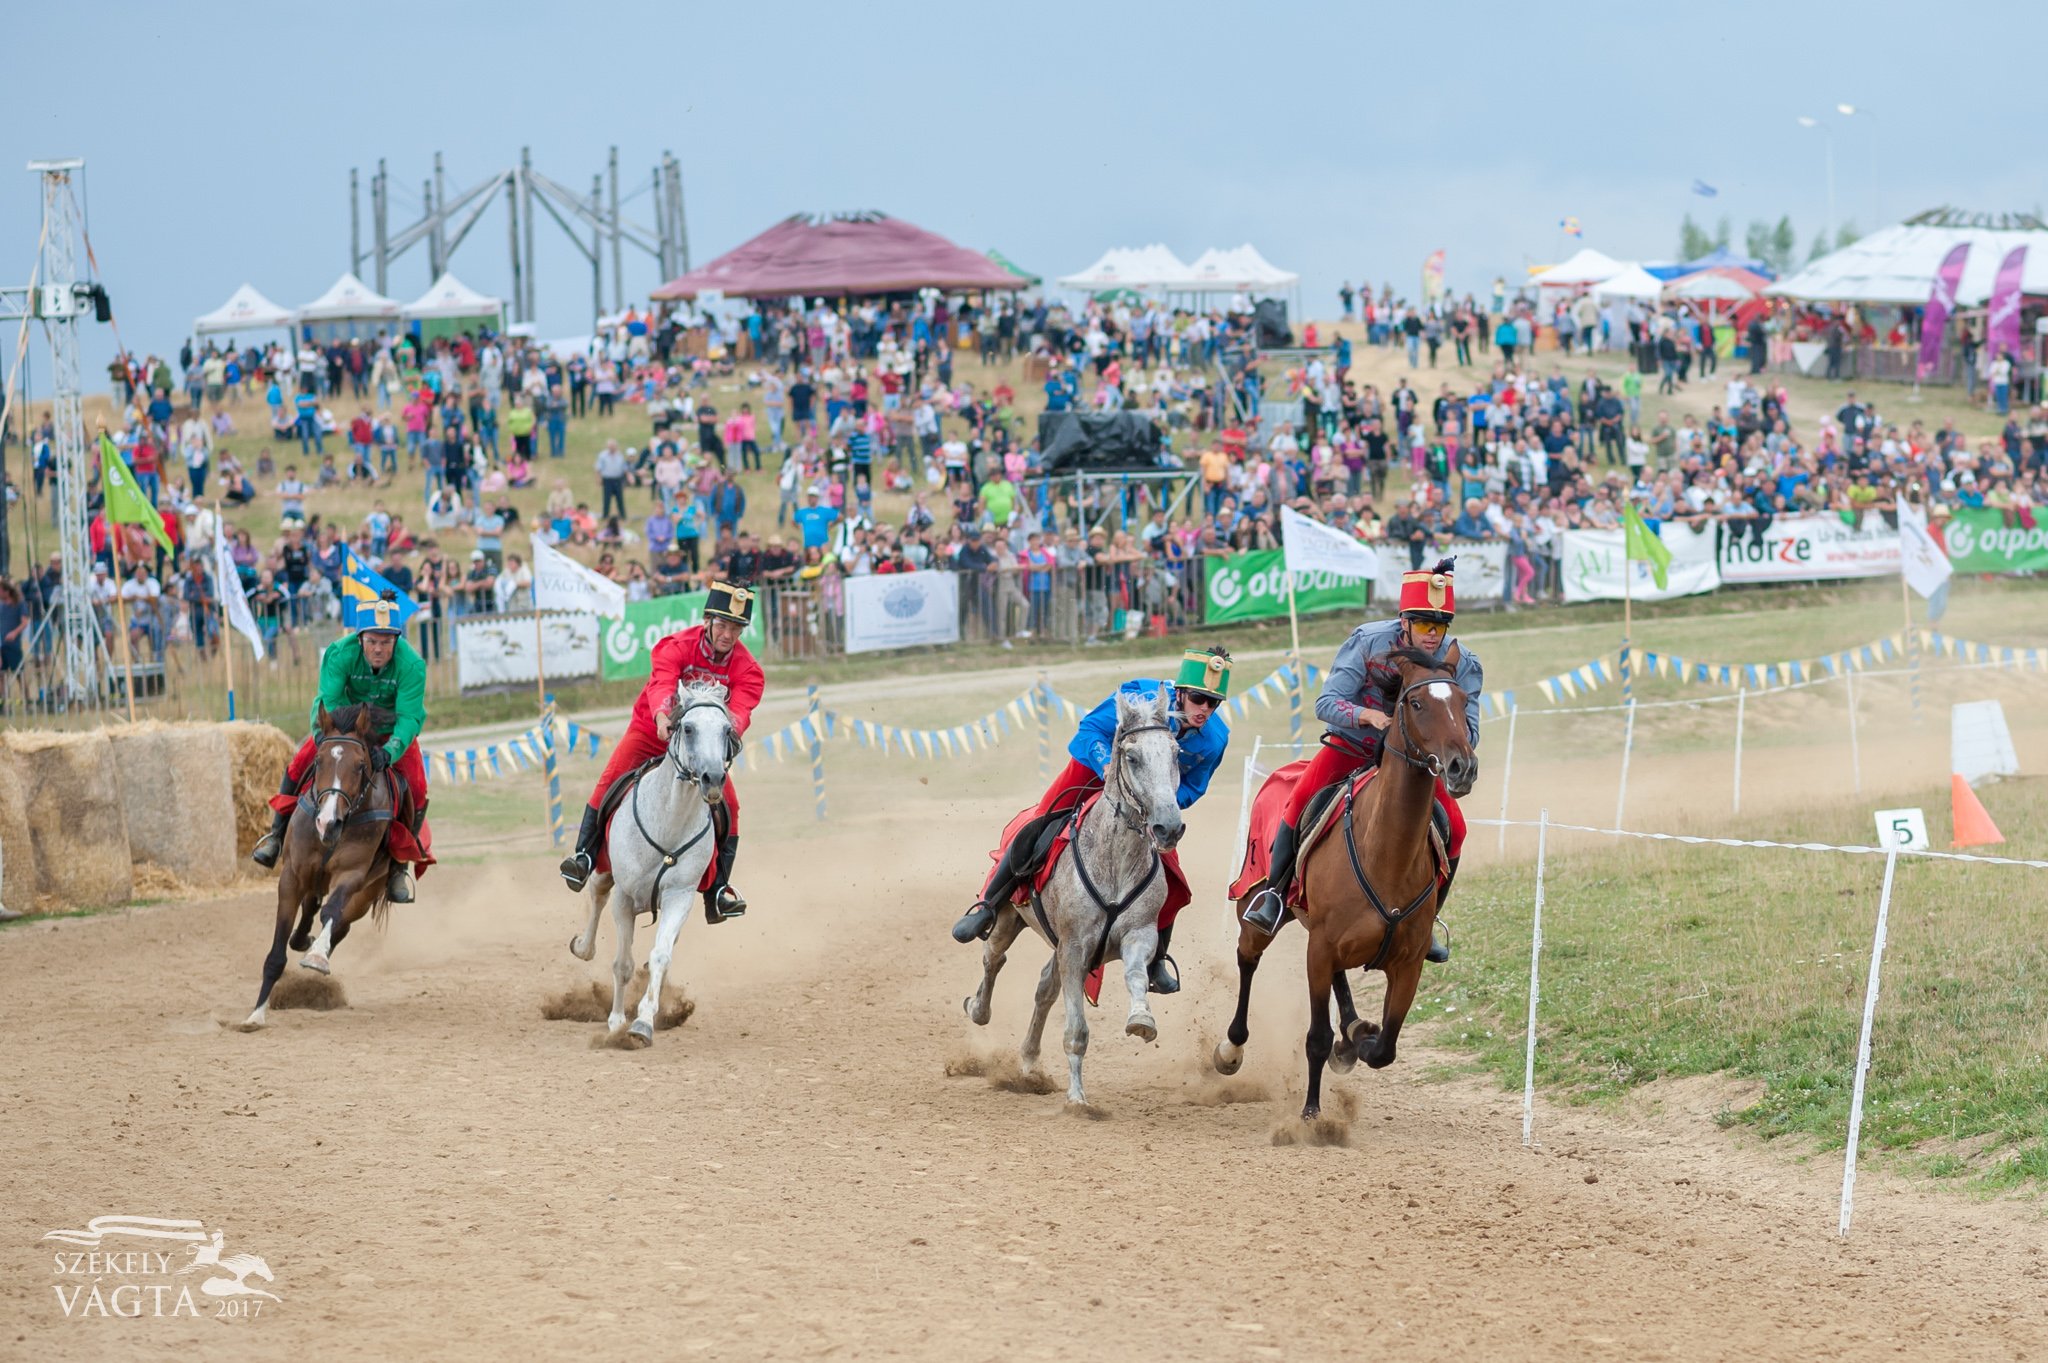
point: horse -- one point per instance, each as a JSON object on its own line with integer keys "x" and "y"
{"x": 334, "y": 861}
{"x": 660, "y": 848}
{"x": 1369, "y": 899}
{"x": 1103, "y": 897}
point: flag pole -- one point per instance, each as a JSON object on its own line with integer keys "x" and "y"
{"x": 220, "y": 592}
{"x": 551, "y": 789}
{"x": 1296, "y": 695}
{"x": 121, "y": 612}
{"x": 1628, "y": 601}
{"x": 1912, "y": 636}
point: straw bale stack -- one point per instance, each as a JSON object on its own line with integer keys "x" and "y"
{"x": 256, "y": 757}
{"x": 77, "y": 834}
{"x": 177, "y": 797}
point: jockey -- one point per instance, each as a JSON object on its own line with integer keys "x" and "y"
{"x": 374, "y": 665}
{"x": 708, "y": 652}
{"x": 1354, "y": 707}
{"x": 1197, "y": 694}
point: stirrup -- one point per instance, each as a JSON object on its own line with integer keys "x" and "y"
{"x": 1262, "y": 918}
{"x": 398, "y": 889}
{"x": 1439, "y": 950}
{"x": 977, "y": 923}
{"x": 723, "y": 903}
{"x": 267, "y": 849}
{"x": 576, "y": 869}
{"x": 1164, "y": 977}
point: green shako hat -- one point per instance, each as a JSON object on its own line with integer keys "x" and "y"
{"x": 1205, "y": 670}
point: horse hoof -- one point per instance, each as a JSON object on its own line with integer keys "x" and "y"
{"x": 1359, "y": 1033}
{"x": 1142, "y": 1027}
{"x": 255, "y": 1022}
{"x": 978, "y": 1019}
{"x": 300, "y": 941}
{"x": 313, "y": 960}
{"x": 1311, "y": 1112}
{"x": 581, "y": 953}
{"x": 1227, "y": 1059}
{"x": 1343, "y": 1060}
{"x": 644, "y": 1031}
{"x": 1378, "y": 1060}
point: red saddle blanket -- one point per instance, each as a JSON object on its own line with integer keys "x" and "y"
{"x": 398, "y": 839}
{"x": 621, "y": 811}
{"x": 1269, "y": 805}
{"x": 1178, "y": 895}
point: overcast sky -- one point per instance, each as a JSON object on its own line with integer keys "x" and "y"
{"x": 1345, "y": 141}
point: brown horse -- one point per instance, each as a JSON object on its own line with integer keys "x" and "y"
{"x": 334, "y": 862}
{"x": 1369, "y": 888}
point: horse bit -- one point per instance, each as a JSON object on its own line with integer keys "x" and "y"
{"x": 355, "y": 812}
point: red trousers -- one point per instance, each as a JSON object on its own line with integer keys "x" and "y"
{"x": 1333, "y": 763}
{"x": 403, "y": 844}
{"x": 637, "y": 745}
{"x": 1068, "y": 790}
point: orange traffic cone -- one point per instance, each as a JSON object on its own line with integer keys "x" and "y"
{"x": 1973, "y": 825}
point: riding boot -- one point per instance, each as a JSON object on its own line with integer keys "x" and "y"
{"x": 398, "y": 886}
{"x": 1165, "y": 976}
{"x": 1266, "y": 906}
{"x": 980, "y": 920}
{"x": 271, "y": 844}
{"x": 576, "y": 867}
{"x": 722, "y": 901}
{"x": 1440, "y": 951}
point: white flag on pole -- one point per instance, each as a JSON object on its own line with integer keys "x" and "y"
{"x": 1312, "y": 547}
{"x": 560, "y": 583}
{"x": 1922, "y": 561}
{"x": 228, "y": 583}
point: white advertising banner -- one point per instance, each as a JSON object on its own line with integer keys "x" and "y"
{"x": 1481, "y": 573}
{"x": 1810, "y": 548}
{"x": 493, "y": 650}
{"x": 1593, "y": 565}
{"x": 560, "y": 583}
{"x": 1313, "y": 547}
{"x": 901, "y": 610}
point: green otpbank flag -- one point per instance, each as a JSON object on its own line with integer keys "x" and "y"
{"x": 125, "y": 502}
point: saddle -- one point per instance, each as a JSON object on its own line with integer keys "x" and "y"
{"x": 1325, "y": 812}
{"x": 615, "y": 797}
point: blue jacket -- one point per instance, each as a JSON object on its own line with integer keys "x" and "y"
{"x": 1201, "y": 750}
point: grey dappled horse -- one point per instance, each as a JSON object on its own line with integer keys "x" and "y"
{"x": 1104, "y": 897}
{"x": 660, "y": 841}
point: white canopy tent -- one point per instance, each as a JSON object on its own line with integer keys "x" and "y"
{"x": 1587, "y": 267}
{"x": 1897, "y": 265}
{"x": 1632, "y": 282}
{"x": 350, "y": 299}
{"x": 1239, "y": 270}
{"x": 245, "y": 310}
{"x": 1145, "y": 267}
{"x": 450, "y": 297}
{"x": 1707, "y": 287}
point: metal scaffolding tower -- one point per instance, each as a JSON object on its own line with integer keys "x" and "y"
{"x": 444, "y": 222}
{"x": 59, "y": 299}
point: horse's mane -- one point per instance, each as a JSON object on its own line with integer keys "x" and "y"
{"x": 694, "y": 691}
{"x": 1420, "y": 658}
{"x": 345, "y": 719}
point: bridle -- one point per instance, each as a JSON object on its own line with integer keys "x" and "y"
{"x": 1119, "y": 797}
{"x": 671, "y": 855}
{"x": 683, "y": 772}
{"x": 1406, "y": 752}
{"x": 312, "y": 800}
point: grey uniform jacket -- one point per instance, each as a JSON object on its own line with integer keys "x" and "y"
{"x": 1361, "y": 678}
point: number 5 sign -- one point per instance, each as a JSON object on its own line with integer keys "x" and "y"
{"x": 1904, "y": 830}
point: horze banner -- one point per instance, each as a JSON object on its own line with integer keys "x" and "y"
{"x": 1809, "y": 548}
{"x": 901, "y": 610}
{"x": 493, "y": 650}
{"x": 1254, "y": 587}
{"x": 629, "y": 642}
{"x": 1481, "y": 572}
{"x": 1979, "y": 541}
{"x": 1593, "y": 565}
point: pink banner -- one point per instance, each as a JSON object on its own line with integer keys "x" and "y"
{"x": 1940, "y": 303}
{"x": 2003, "y": 335}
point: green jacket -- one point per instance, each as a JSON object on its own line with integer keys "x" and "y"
{"x": 346, "y": 679}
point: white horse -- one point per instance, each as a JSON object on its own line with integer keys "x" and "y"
{"x": 660, "y": 842}
{"x": 1104, "y": 897}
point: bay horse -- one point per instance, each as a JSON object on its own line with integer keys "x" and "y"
{"x": 659, "y": 845}
{"x": 1369, "y": 888}
{"x": 334, "y": 861}
{"x": 1103, "y": 895}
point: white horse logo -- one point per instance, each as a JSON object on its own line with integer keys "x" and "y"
{"x": 234, "y": 1270}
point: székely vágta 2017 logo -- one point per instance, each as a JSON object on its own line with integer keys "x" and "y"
{"x": 145, "y": 1271}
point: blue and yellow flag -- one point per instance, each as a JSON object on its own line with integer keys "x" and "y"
{"x": 362, "y": 591}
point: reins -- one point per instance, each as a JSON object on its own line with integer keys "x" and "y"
{"x": 356, "y": 814}
{"x": 1433, "y": 767}
{"x": 1076, "y": 819}
{"x": 670, "y": 856}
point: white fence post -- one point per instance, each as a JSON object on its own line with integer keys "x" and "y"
{"x": 1507, "y": 770}
{"x": 1884, "y": 909}
{"x": 1855, "y": 755}
{"x": 1741, "y": 702}
{"x": 1628, "y": 747}
{"x": 1535, "y": 985}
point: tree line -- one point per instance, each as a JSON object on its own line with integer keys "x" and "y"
{"x": 1776, "y": 244}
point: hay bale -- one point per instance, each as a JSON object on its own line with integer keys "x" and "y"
{"x": 256, "y": 757}
{"x": 77, "y": 834}
{"x": 178, "y": 800}
{"x": 17, "y": 853}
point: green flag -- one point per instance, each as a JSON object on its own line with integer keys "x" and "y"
{"x": 1643, "y": 544}
{"x": 125, "y": 503}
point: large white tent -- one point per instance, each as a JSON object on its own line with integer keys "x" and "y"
{"x": 450, "y": 297}
{"x": 1145, "y": 267}
{"x": 245, "y": 310}
{"x": 1239, "y": 270}
{"x": 1587, "y": 267}
{"x": 1633, "y": 282}
{"x": 349, "y": 300}
{"x": 1897, "y": 265}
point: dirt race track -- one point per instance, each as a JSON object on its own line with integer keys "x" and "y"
{"x": 437, "y": 1172}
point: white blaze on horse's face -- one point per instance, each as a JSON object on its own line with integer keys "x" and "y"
{"x": 1148, "y": 761}
{"x": 330, "y": 808}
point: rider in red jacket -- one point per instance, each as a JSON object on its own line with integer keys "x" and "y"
{"x": 712, "y": 652}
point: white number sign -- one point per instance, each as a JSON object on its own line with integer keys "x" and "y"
{"x": 1903, "y": 829}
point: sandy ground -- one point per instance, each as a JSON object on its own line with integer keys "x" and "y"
{"x": 436, "y": 1171}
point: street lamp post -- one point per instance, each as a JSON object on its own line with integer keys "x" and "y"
{"x": 1829, "y": 134}
{"x": 1856, "y": 111}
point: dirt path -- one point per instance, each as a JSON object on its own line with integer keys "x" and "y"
{"x": 437, "y": 1172}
